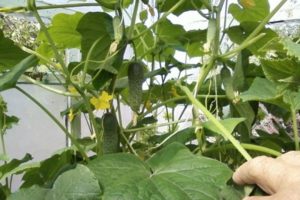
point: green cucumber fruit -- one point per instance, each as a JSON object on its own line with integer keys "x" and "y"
{"x": 110, "y": 134}
{"x": 135, "y": 82}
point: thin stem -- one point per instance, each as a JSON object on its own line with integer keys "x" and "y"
{"x": 295, "y": 129}
{"x": 24, "y": 9}
{"x": 242, "y": 46}
{"x": 70, "y": 136}
{"x": 40, "y": 56}
{"x": 133, "y": 19}
{"x": 265, "y": 21}
{"x": 251, "y": 147}
{"x": 51, "y": 89}
{"x": 74, "y": 5}
{"x": 4, "y": 151}
{"x": 154, "y": 126}
{"x": 50, "y": 40}
{"x": 223, "y": 130}
{"x": 86, "y": 64}
{"x": 216, "y": 46}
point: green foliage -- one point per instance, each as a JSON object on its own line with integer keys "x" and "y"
{"x": 9, "y": 79}
{"x": 250, "y": 10}
{"x": 124, "y": 176}
{"x": 10, "y": 54}
{"x": 244, "y": 73}
{"x": 63, "y": 30}
{"x": 6, "y": 168}
{"x": 83, "y": 185}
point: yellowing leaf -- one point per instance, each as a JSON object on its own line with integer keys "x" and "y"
{"x": 248, "y": 3}
{"x": 102, "y": 101}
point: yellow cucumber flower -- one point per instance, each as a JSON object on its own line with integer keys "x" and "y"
{"x": 102, "y": 101}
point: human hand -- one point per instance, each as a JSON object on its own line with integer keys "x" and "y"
{"x": 278, "y": 177}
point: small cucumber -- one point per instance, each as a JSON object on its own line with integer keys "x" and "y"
{"x": 110, "y": 134}
{"x": 135, "y": 82}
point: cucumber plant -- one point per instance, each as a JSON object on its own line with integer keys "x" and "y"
{"x": 244, "y": 71}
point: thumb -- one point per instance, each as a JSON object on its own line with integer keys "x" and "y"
{"x": 259, "y": 198}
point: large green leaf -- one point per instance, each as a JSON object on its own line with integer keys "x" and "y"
{"x": 95, "y": 26}
{"x": 173, "y": 173}
{"x": 166, "y": 5}
{"x": 182, "y": 136}
{"x": 10, "y": 54}
{"x": 293, "y": 49}
{"x": 282, "y": 70}
{"x": 293, "y": 99}
{"x": 170, "y": 33}
{"x": 229, "y": 124}
{"x": 76, "y": 184}
{"x": 250, "y": 10}
{"x": 6, "y": 168}
{"x": 33, "y": 193}
{"x": 144, "y": 43}
{"x": 266, "y": 91}
{"x": 193, "y": 42}
{"x": 63, "y": 30}
{"x": 9, "y": 80}
{"x": 49, "y": 169}
{"x": 238, "y": 34}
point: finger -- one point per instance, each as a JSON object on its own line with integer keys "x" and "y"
{"x": 291, "y": 158}
{"x": 263, "y": 171}
{"x": 259, "y": 198}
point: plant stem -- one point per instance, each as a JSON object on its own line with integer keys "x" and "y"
{"x": 295, "y": 129}
{"x": 154, "y": 126}
{"x": 74, "y": 141}
{"x": 133, "y": 19}
{"x": 249, "y": 40}
{"x": 122, "y": 129}
{"x": 242, "y": 46}
{"x": 265, "y": 21}
{"x": 74, "y": 5}
{"x": 50, "y": 40}
{"x": 216, "y": 46}
{"x": 38, "y": 83}
{"x": 251, "y": 147}
{"x": 86, "y": 64}
{"x": 223, "y": 131}
{"x": 24, "y": 9}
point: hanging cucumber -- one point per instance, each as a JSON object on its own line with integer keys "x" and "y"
{"x": 135, "y": 82}
{"x": 110, "y": 134}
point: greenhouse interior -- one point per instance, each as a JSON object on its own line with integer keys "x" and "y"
{"x": 149, "y": 99}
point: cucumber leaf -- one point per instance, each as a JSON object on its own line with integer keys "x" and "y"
{"x": 172, "y": 173}
{"x": 10, "y": 54}
{"x": 250, "y": 10}
{"x": 9, "y": 80}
